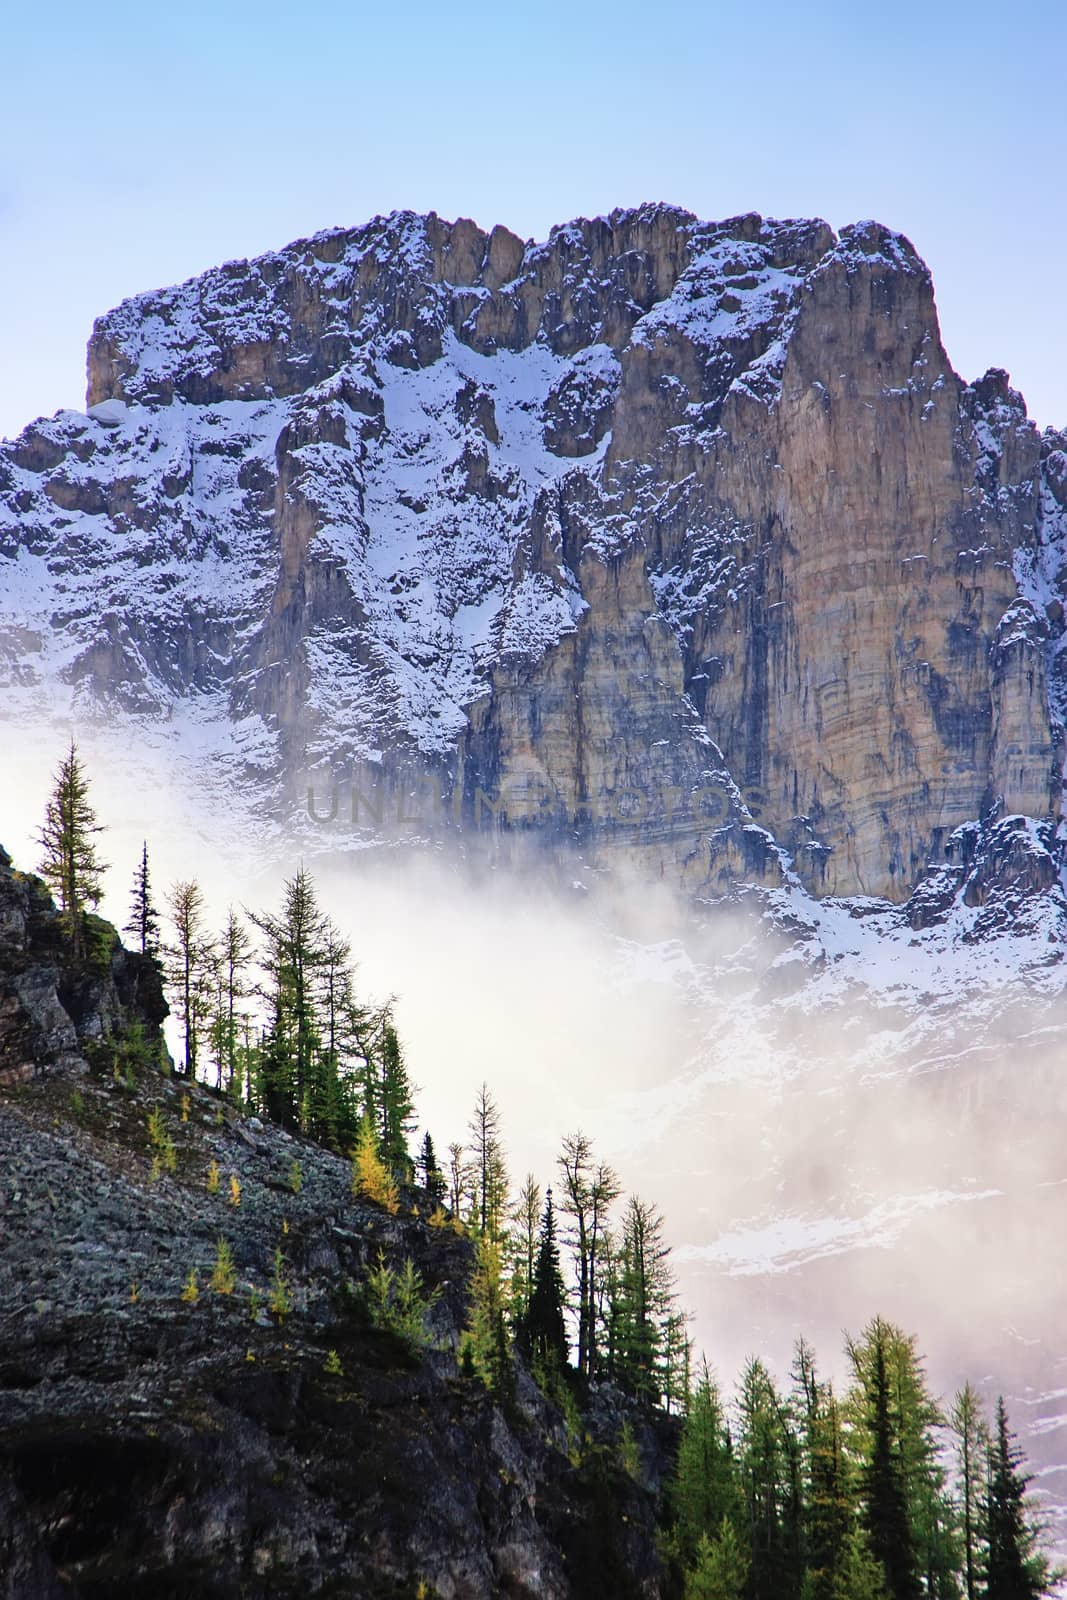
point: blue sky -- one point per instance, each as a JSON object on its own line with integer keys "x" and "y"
{"x": 140, "y": 145}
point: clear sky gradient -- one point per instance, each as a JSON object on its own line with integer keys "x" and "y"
{"x": 141, "y": 144}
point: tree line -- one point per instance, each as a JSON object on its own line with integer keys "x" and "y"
{"x": 876, "y": 1494}
{"x": 268, "y": 1014}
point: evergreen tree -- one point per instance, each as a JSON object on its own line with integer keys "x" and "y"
{"x": 1014, "y": 1567}
{"x": 544, "y": 1332}
{"x": 972, "y": 1442}
{"x": 144, "y": 918}
{"x": 70, "y": 864}
{"x": 677, "y": 1353}
{"x": 397, "y": 1105}
{"x": 371, "y": 1178}
{"x": 769, "y": 1487}
{"x": 884, "y": 1500}
{"x": 721, "y": 1566}
{"x": 347, "y": 1077}
{"x": 525, "y": 1219}
{"x": 485, "y": 1339}
{"x": 704, "y": 1489}
{"x": 233, "y": 955}
{"x": 189, "y": 968}
{"x": 333, "y": 1106}
{"x": 829, "y": 1522}
{"x": 917, "y": 1451}
{"x": 460, "y": 1191}
{"x": 645, "y": 1301}
{"x": 589, "y": 1191}
{"x": 861, "y": 1576}
{"x": 433, "y": 1179}
{"x": 489, "y": 1165}
{"x": 296, "y": 945}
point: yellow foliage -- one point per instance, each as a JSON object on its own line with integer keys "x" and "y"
{"x": 224, "y": 1275}
{"x": 166, "y": 1157}
{"x": 191, "y": 1292}
{"x": 235, "y": 1189}
{"x": 370, "y": 1176}
{"x": 213, "y": 1178}
{"x": 186, "y": 1106}
{"x": 438, "y": 1218}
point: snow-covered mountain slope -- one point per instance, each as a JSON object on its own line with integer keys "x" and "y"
{"x": 678, "y": 544}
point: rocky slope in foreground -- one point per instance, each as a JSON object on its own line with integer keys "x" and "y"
{"x": 681, "y": 541}
{"x": 157, "y": 1449}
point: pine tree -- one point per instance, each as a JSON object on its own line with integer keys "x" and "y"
{"x": 189, "y": 968}
{"x": 144, "y": 918}
{"x": 489, "y": 1165}
{"x": 721, "y": 1566}
{"x": 917, "y": 1451}
{"x": 433, "y": 1179}
{"x": 645, "y": 1302}
{"x": 884, "y": 1500}
{"x": 344, "y": 1057}
{"x": 704, "y": 1489}
{"x": 861, "y": 1576}
{"x": 769, "y": 1486}
{"x": 1014, "y": 1567}
{"x": 397, "y": 1105}
{"x": 234, "y": 958}
{"x": 677, "y": 1353}
{"x": 525, "y": 1219}
{"x": 543, "y": 1330}
{"x": 485, "y": 1338}
{"x": 829, "y": 1509}
{"x": 296, "y": 951}
{"x": 459, "y": 1181}
{"x": 972, "y": 1442}
{"x": 70, "y": 864}
{"x": 371, "y": 1177}
{"x": 589, "y": 1191}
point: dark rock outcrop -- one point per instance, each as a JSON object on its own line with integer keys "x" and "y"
{"x": 53, "y": 1008}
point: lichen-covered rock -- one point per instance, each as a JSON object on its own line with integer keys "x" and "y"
{"x": 570, "y": 531}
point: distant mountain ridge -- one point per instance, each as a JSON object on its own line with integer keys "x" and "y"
{"x": 664, "y": 543}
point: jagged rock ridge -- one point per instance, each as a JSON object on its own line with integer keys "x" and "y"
{"x": 680, "y": 542}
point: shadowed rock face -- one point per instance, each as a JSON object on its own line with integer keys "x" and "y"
{"x": 52, "y": 1009}
{"x": 682, "y": 542}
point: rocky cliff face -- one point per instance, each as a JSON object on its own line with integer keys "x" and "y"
{"x": 155, "y": 1446}
{"x": 54, "y": 1011}
{"x": 672, "y": 542}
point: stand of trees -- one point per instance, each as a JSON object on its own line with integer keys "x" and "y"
{"x": 873, "y": 1495}
{"x": 799, "y": 1495}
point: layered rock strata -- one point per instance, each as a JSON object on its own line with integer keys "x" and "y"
{"x": 677, "y": 543}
